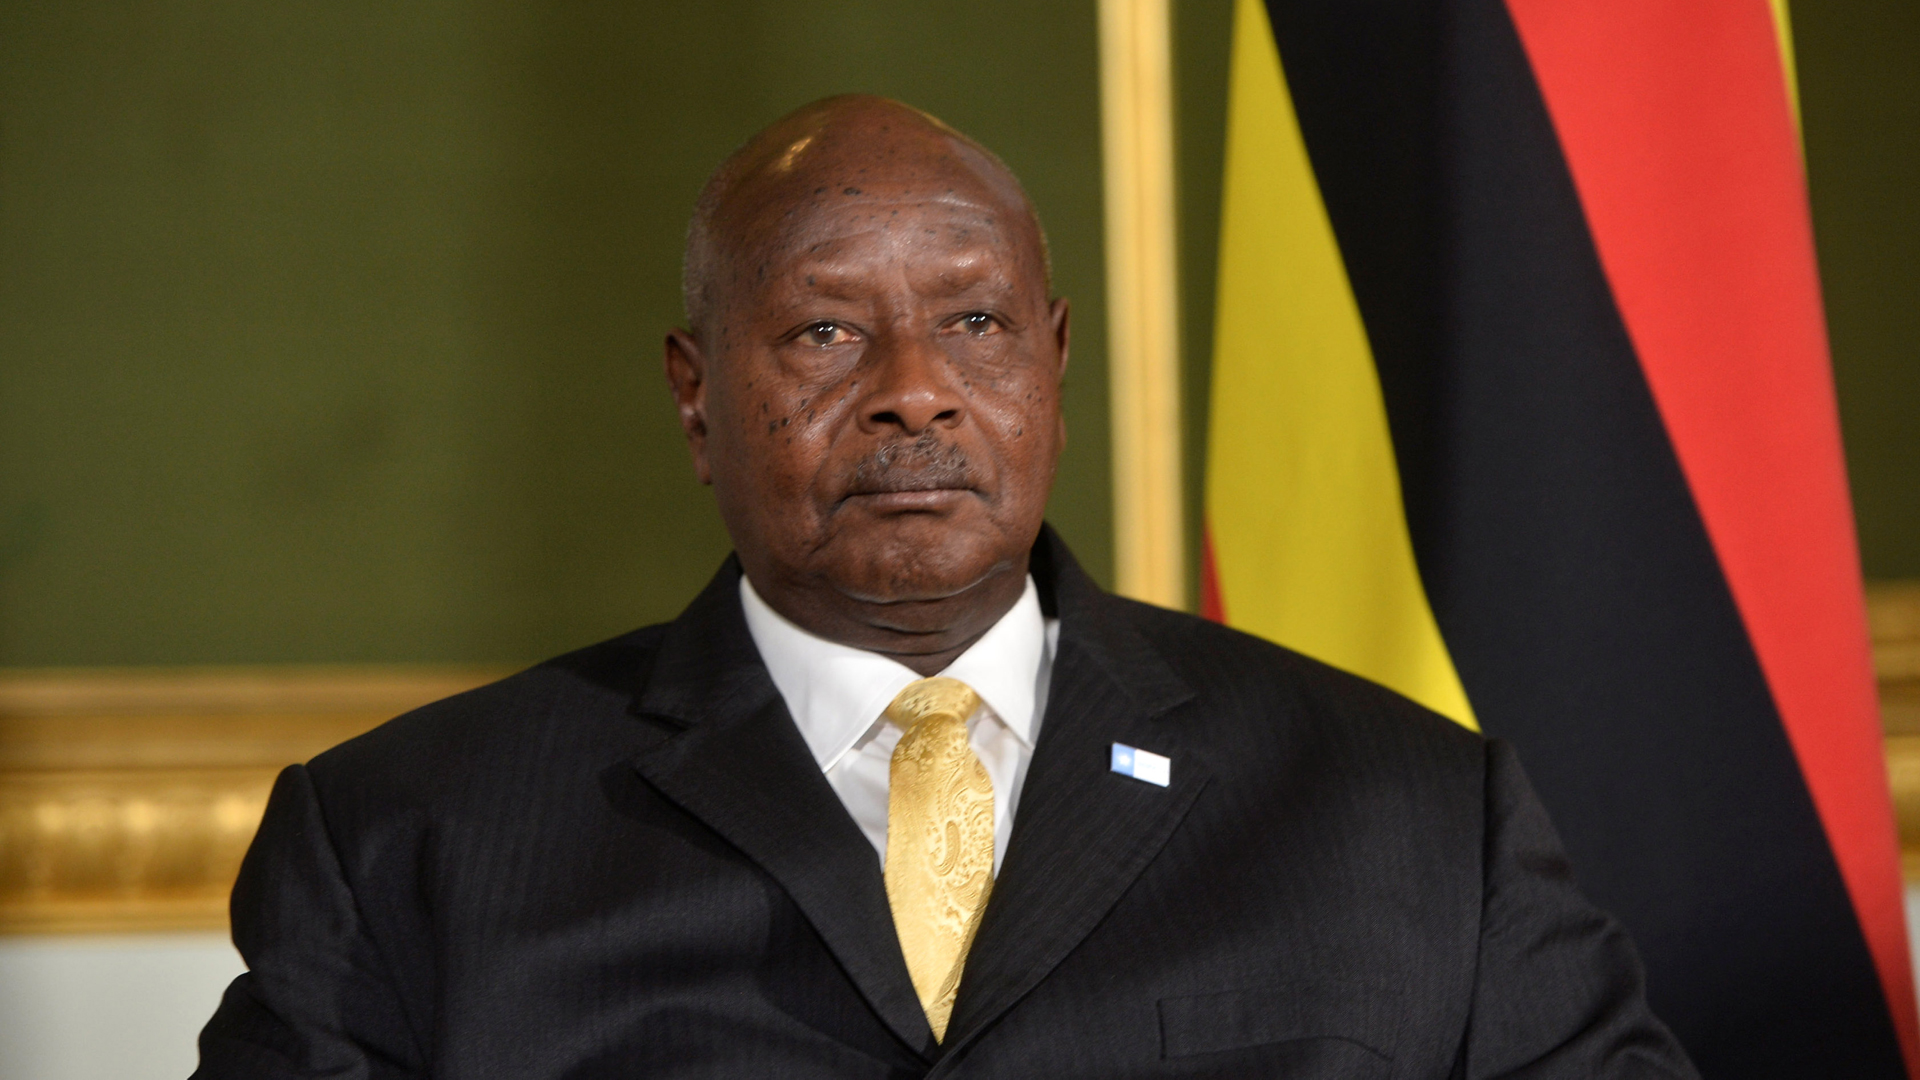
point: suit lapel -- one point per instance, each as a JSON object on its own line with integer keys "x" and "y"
{"x": 1082, "y": 833}
{"x": 740, "y": 766}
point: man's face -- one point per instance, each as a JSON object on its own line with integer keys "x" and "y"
{"x": 879, "y": 411}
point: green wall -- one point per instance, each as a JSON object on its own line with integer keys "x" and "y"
{"x": 1202, "y": 38}
{"x": 330, "y": 331}
{"x": 1860, "y": 111}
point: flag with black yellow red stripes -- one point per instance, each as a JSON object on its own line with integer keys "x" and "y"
{"x": 1521, "y": 406}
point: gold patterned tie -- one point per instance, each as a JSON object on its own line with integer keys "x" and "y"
{"x": 939, "y": 839}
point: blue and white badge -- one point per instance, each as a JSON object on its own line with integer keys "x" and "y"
{"x": 1142, "y": 764}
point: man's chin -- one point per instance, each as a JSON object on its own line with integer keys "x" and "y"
{"x": 916, "y": 561}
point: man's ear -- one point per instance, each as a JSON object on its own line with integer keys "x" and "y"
{"x": 1058, "y": 316}
{"x": 1057, "y": 319}
{"x": 687, "y": 377}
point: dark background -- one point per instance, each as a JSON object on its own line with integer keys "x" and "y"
{"x": 329, "y": 332}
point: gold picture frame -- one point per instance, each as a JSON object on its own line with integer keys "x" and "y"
{"x": 128, "y": 796}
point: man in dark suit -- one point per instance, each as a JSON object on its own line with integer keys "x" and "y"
{"x": 903, "y": 793}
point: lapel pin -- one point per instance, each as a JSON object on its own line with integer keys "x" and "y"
{"x": 1142, "y": 764}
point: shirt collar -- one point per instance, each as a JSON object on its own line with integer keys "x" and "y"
{"x": 836, "y": 692}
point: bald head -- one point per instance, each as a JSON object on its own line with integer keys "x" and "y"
{"x": 822, "y": 157}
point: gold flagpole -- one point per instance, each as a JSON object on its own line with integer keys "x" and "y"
{"x": 1136, "y": 99}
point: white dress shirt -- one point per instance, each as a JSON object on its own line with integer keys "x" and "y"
{"x": 838, "y": 696}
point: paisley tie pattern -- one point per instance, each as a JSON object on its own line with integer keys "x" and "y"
{"x": 939, "y": 867}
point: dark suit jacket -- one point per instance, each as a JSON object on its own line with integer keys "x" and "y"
{"x": 625, "y": 863}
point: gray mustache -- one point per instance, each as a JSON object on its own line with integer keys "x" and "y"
{"x": 925, "y": 464}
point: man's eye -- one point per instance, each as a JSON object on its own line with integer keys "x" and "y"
{"x": 824, "y": 334}
{"x": 980, "y": 323}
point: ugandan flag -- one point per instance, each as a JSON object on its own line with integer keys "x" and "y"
{"x": 1522, "y": 407}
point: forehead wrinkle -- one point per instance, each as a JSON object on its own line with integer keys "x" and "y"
{"x": 938, "y": 248}
{"x": 822, "y": 246}
{"x": 962, "y": 274}
{"x": 811, "y": 222}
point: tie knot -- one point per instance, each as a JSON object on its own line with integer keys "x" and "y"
{"x": 928, "y": 699}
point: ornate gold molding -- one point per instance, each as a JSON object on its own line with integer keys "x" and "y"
{"x": 1893, "y": 613}
{"x": 127, "y": 797}
{"x": 1143, "y": 325}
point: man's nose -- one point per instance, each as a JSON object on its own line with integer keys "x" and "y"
{"x": 912, "y": 386}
